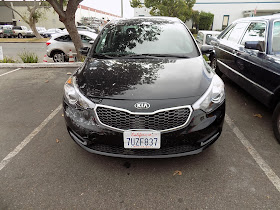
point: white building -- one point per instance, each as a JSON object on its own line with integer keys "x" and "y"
{"x": 51, "y": 19}
{"x": 227, "y": 11}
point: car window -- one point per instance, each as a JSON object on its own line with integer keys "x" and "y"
{"x": 85, "y": 39}
{"x": 199, "y": 37}
{"x": 255, "y": 32}
{"x": 276, "y": 37}
{"x": 147, "y": 38}
{"x": 16, "y": 28}
{"x": 236, "y": 32}
{"x": 65, "y": 38}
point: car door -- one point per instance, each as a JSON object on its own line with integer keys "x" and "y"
{"x": 254, "y": 76}
{"x": 65, "y": 44}
{"x": 227, "y": 48}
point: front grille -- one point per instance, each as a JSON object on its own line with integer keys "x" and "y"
{"x": 162, "y": 120}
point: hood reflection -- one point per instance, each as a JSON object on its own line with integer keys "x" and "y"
{"x": 105, "y": 78}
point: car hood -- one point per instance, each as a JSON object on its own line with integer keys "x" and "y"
{"x": 139, "y": 79}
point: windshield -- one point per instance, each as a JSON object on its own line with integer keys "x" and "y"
{"x": 276, "y": 37}
{"x": 153, "y": 38}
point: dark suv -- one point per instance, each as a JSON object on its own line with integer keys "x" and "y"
{"x": 144, "y": 91}
{"x": 248, "y": 52}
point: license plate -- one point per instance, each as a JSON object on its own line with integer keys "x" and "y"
{"x": 141, "y": 139}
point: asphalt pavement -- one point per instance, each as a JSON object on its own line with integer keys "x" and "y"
{"x": 42, "y": 168}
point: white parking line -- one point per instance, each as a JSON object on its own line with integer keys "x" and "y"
{"x": 253, "y": 152}
{"x": 9, "y": 72}
{"x": 12, "y": 154}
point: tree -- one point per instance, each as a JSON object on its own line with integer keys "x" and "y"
{"x": 205, "y": 20}
{"x": 181, "y": 9}
{"x": 33, "y": 15}
{"x": 66, "y": 10}
{"x": 195, "y": 19}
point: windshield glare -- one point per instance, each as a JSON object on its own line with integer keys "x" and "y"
{"x": 146, "y": 38}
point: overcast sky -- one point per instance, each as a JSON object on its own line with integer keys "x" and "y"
{"x": 111, "y": 6}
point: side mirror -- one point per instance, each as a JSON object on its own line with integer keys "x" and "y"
{"x": 91, "y": 42}
{"x": 255, "y": 45}
{"x": 206, "y": 49}
{"x": 84, "y": 50}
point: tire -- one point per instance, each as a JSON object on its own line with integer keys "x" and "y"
{"x": 1, "y": 35}
{"x": 213, "y": 64}
{"x": 276, "y": 122}
{"x": 59, "y": 56}
{"x": 20, "y": 36}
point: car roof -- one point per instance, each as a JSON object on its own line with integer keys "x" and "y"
{"x": 268, "y": 17}
{"x": 209, "y": 32}
{"x": 144, "y": 19}
{"x": 86, "y": 33}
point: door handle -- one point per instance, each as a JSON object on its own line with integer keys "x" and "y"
{"x": 236, "y": 52}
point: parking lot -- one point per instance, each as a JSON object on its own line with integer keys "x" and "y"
{"x": 41, "y": 167}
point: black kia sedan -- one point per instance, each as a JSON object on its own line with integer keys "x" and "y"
{"x": 144, "y": 91}
{"x": 248, "y": 52}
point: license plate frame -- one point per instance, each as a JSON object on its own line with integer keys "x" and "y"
{"x": 141, "y": 139}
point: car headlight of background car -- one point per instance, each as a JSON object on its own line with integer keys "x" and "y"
{"x": 213, "y": 97}
{"x": 74, "y": 96}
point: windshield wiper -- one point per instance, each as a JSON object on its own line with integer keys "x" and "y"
{"x": 98, "y": 55}
{"x": 154, "y": 55}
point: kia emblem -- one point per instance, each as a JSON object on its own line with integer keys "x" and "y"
{"x": 142, "y": 105}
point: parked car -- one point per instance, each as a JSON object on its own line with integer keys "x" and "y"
{"x": 51, "y": 31}
{"x": 82, "y": 28}
{"x": 29, "y": 33}
{"x": 248, "y": 52}
{"x": 1, "y": 31}
{"x": 204, "y": 37}
{"x": 60, "y": 44}
{"x": 85, "y": 28}
{"x": 20, "y": 31}
{"x": 41, "y": 30}
{"x": 144, "y": 91}
{"x": 7, "y": 31}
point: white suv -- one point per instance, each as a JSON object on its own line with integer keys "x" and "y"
{"x": 59, "y": 46}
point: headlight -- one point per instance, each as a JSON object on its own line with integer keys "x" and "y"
{"x": 213, "y": 97}
{"x": 74, "y": 96}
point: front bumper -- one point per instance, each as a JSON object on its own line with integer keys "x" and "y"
{"x": 201, "y": 131}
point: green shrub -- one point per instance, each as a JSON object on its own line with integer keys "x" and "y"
{"x": 205, "y": 20}
{"x": 7, "y": 60}
{"x": 205, "y": 57}
{"x": 27, "y": 57}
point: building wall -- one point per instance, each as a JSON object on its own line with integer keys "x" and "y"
{"x": 84, "y": 11}
{"x": 51, "y": 18}
{"x": 235, "y": 9}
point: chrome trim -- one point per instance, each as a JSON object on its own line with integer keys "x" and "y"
{"x": 277, "y": 20}
{"x": 267, "y": 69}
{"x": 142, "y": 113}
{"x": 236, "y": 72}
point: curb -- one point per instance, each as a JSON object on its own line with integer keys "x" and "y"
{"x": 41, "y": 65}
{"x": 21, "y": 42}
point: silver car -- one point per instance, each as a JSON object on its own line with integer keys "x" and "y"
{"x": 59, "y": 46}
